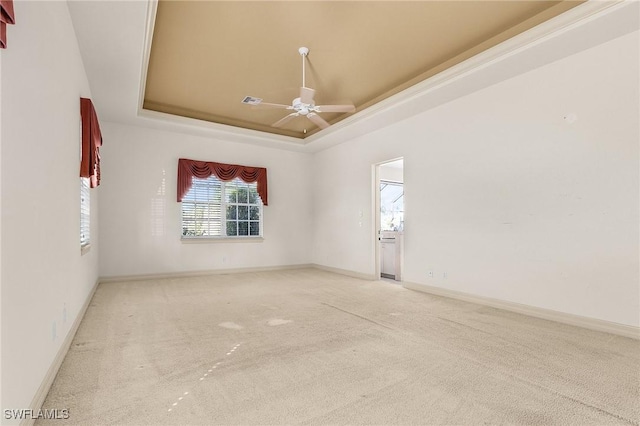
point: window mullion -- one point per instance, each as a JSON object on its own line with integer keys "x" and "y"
{"x": 223, "y": 209}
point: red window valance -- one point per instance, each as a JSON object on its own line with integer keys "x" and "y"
{"x": 91, "y": 143}
{"x": 188, "y": 169}
{"x": 6, "y": 17}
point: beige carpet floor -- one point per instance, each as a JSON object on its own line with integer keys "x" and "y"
{"x": 312, "y": 347}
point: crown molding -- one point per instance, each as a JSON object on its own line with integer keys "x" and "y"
{"x": 569, "y": 30}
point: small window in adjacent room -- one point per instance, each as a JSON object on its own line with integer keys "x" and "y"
{"x": 214, "y": 208}
{"x": 391, "y": 206}
{"x": 85, "y": 214}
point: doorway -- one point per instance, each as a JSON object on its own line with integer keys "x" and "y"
{"x": 389, "y": 219}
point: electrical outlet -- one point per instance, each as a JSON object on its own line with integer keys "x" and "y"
{"x": 430, "y": 274}
{"x": 444, "y": 275}
{"x": 224, "y": 259}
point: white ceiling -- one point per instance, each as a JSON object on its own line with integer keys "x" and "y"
{"x": 114, "y": 38}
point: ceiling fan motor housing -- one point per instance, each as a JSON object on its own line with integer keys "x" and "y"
{"x": 301, "y": 108}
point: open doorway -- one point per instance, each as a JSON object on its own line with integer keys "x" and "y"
{"x": 389, "y": 219}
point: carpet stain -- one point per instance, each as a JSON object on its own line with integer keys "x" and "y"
{"x": 205, "y": 375}
{"x": 276, "y": 321}
{"x": 230, "y": 325}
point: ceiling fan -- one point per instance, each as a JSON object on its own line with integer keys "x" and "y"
{"x": 303, "y": 105}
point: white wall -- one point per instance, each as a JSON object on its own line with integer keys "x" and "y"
{"x": 503, "y": 194}
{"x": 0, "y": 230}
{"x": 43, "y": 271}
{"x": 140, "y": 218}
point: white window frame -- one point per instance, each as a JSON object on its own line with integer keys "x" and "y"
{"x": 223, "y": 213}
{"x": 85, "y": 215}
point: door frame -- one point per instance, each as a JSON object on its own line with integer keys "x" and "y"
{"x": 377, "y": 248}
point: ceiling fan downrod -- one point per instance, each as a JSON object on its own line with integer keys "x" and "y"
{"x": 304, "y": 51}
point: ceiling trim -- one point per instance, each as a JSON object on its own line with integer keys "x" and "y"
{"x": 368, "y": 120}
{"x": 220, "y": 131}
{"x": 152, "y": 10}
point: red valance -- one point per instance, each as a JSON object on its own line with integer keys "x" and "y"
{"x": 91, "y": 143}
{"x": 188, "y": 169}
{"x": 6, "y": 17}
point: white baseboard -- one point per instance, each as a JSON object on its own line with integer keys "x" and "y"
{"x": 43, "y": 390}
{"x": 354, "y": 274}
{"x": 202, "y": 273}
{"x": 548, "y": 314}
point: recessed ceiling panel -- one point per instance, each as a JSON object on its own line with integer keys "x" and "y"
{"x": 207, "y": 56}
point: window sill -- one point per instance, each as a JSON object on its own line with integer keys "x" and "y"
{"x": 207, "y": 240}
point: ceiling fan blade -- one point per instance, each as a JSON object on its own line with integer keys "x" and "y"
{"x": 335, "y": 108}
{"x": 285, "y": 120}
{"x": 269, "y": 105}
{"x": 306, "y": 95}
{"x": 319, "y": 121}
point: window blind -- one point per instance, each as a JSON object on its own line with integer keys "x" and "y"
{"x": 85, "y": 213}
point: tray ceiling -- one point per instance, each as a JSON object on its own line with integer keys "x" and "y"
{"x": 207, "y": 56}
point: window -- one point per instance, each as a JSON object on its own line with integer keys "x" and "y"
{"x": 391, "y": 206}
{"x": 85, "y": 214}
{"x": 213, "y": 208}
